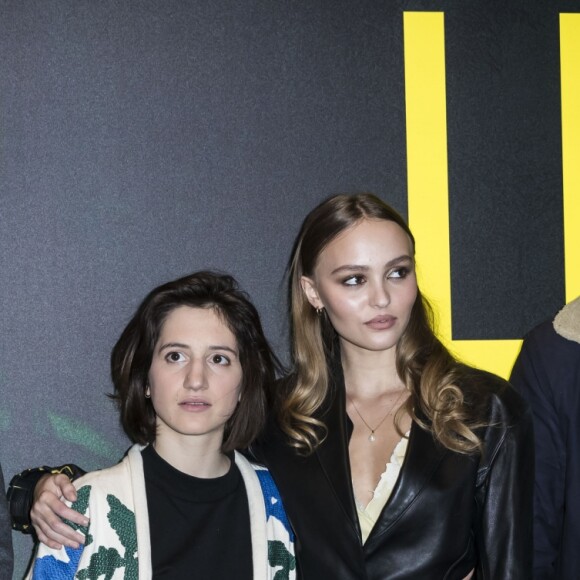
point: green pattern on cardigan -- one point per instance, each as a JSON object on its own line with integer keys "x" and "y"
{"x": 107, "y": 560}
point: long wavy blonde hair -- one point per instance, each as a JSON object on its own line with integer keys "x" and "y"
{"x": 426, "y": 367}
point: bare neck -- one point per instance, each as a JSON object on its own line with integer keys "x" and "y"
{"x": 368, "y": 374}
{"x": 193, "y": 455}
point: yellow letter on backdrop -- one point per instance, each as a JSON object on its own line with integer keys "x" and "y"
{"x": 424, "y": 44}
{"x": 570, "y": 73}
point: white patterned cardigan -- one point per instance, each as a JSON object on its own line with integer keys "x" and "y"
{"x": 118, "y": 546}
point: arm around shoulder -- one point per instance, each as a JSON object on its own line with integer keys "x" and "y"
{"x": 21, "y": 492}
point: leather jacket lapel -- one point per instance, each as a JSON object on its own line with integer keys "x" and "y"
{"x": 333, "y": 453}
{"x": 422, "y": 459}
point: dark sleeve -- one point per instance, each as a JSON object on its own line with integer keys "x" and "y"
{"x": 6, "y": 555}
{"x": 21, "y": 492}
{"x": 530, "y": 376}
{"x": 505, "y": 497}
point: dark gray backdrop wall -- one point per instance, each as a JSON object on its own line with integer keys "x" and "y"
{"x": 142, "y": 140}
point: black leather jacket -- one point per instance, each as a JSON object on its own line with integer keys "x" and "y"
{"x": 448, "y": 514}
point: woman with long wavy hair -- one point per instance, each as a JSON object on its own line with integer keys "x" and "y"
{"x": 394, "y": 460}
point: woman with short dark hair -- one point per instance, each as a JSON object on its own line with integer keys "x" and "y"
{"x": 132, "y": 355}
{"x": 190, "y": 372}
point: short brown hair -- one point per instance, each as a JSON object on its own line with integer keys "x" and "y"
{"x": 132, "y": 355}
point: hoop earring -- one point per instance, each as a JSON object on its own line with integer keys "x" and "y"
{"x": 148, "y": 393}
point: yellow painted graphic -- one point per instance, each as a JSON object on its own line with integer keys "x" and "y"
{"x": 427, "y": 156}
{"x": 424, "y": 44}
{"x": 570, "y": 79}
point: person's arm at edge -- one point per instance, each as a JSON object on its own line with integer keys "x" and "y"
{"x": 6, "y": 554}
{"x": 529, "y": 378}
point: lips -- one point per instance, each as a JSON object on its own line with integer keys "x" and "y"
{"x": 195, "y": 404}
{"x": 381, "y": 322}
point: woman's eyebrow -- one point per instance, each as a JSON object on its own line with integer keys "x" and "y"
{"x": 360, "y": 268}
{"x": 210, "y": 347}
{"x": 173, "y": 345}
{"x": 223, "y": 347}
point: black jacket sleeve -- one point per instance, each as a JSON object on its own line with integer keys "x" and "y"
{"x": 505, "y": 495}
{"x": 21, "y": 492}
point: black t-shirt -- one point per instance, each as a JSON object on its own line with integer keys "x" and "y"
{"x": 200, "y": 528}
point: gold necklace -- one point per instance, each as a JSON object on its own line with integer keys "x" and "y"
{"x": 372, "y": 435}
